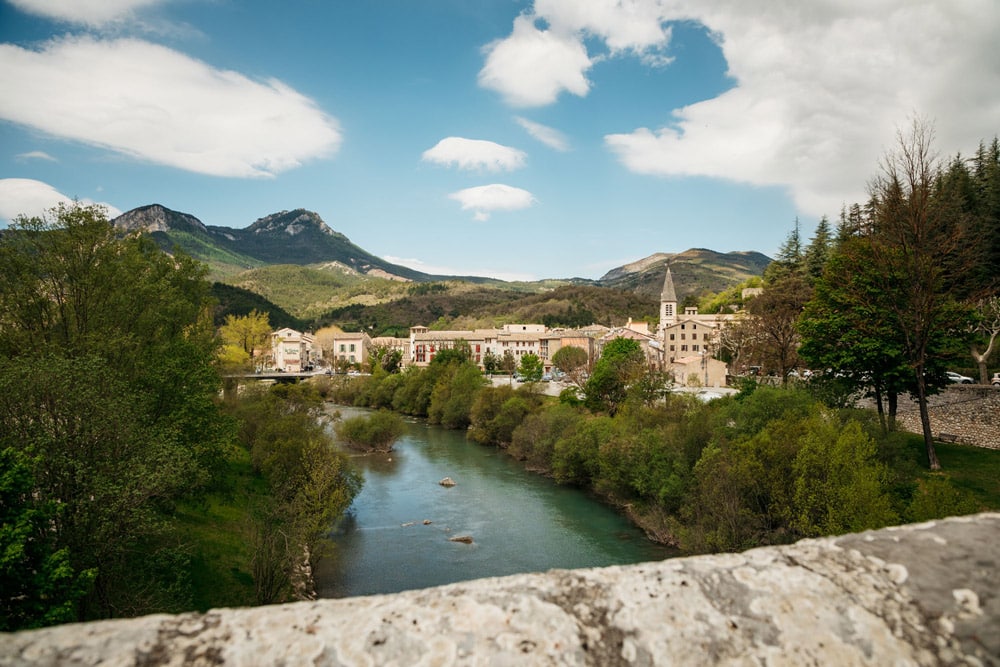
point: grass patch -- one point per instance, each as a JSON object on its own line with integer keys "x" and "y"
{"x": 216, "y": 527}
{"x": 972, "y": 469}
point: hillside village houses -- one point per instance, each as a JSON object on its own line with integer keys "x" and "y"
{"x": 682, "y": 344}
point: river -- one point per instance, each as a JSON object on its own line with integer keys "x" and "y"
{"x": 396, "y": 534}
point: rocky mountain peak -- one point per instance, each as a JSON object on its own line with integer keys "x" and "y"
{"x": 292, "y": 223}
{"x": 157, "y": 218}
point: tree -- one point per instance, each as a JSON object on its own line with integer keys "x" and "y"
{"x": 572, "y": 361}
{"x": 622, "y": 362}
{"x": 843, "y": 329}
{"x": 818, "y": 250}
{"x": 790, "y": 256}
{"x": 774, "y": 314}
{"x": 530, "y": 367}
{"x": 249, "y": 332}
{"x": 491, "y": 363}
{"x": 385, "y": 358}
{"x": 986, "y": 326}
{"x": 107, "y": 388}
{"x": 916, "y": 245}
{"x": 508, "y": 364}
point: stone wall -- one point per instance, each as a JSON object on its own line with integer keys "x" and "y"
{"x": 970, "y": 412}
{"x": 923, "y": 594}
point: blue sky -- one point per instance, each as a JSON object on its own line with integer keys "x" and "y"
{"x": 519, "y": 139}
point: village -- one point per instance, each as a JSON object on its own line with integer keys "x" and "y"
{"x": 681, "y": 345}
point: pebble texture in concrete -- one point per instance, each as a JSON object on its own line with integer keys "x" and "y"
{"x": 925, "y": 594}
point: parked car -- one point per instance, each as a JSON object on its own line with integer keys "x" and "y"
{"x": 996, "y": 380}
{"x": 959, "y": 379}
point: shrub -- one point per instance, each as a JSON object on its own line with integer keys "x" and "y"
{"x": 376, "y": 432}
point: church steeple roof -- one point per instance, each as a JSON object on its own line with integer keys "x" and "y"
{"x": 668, "y": 293}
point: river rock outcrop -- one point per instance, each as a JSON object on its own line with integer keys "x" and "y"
{"x": 924, "y": 594}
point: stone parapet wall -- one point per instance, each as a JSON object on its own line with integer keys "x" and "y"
{"x": 923, "y": 594}
{"x": 969, "y": 412}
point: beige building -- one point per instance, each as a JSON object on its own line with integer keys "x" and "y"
{"x": 291, "y": 350}
{"x": 349, "y": 349}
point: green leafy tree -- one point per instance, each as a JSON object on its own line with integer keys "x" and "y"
{"x": 621, "y": 363}
{"x": 308, "y": 484}
{"x": 917, "y": 247}
{"x": 843, "y": 329}
{"x": 572, "y": 361}
{"x": 530, "y": 367}
{"x": 108, "y": 389}
{"x": 491, "y": 362}
{"x": 39, "y": 583}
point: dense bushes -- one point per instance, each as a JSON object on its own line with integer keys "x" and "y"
{"x": 306, "y": 484}
{"x": 766, "y": 466}
{"x": 376, "y": 432}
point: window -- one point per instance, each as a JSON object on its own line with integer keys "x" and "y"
{"x": 672, "y": 336}
{"x": 694, "y": 348}
{"x": 684, "y": 348}
{"x": 683, "y": 336}
{"x": 671, "y": 348}
{"x": 352, "y": 347}
{"x": 343, "y": 348}
{"x": 694, "y": 336}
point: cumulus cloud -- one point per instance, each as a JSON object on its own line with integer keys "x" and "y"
{"x": 155, "y": 104}
{"x": 36, "y": 155}
{"x": 819, "y": 94}
{"x": 534, "y": 65}
{"x": 475, "y": 154}
{"x": 31, "y": 198}
{"x": 551, "y": 137}
{"x": 485, "y": 199}
{"x": 86, "y": 12}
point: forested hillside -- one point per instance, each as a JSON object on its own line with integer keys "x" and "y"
{"x": 461, "y": 306}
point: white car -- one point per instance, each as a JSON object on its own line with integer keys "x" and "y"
{"x": 959, "y": 379}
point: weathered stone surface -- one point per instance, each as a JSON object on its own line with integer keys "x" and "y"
{"x": 926, "y": 594}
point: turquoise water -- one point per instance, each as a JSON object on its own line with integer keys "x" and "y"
{"x": 518, "y": 521}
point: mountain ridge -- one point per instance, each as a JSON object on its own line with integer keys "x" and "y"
{"x": 299, "y": 246}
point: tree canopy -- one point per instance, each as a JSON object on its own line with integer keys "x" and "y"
{"x": 106, "y": 407}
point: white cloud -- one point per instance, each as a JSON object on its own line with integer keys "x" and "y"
{"x": 819, "y": 93}
{"x": 36, "y": 155}
{"x": 475, "y": 154}
{"x": 443, "y": 270}
{"x": 623, "y": 25}
{"x": 549, "y": 136}
{"x": 158, "y": 105}
{"x": 532, "y": 66}
{"x": 31, "y": 198}
{"x": 485, "y": 199}
{"x": 87, "y": 12}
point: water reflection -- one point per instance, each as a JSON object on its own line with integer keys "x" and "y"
{"x": 396, "y": 536}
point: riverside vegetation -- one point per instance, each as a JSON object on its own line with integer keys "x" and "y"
{"x": 126, "y": 486}
{"x": 769, "y": 465}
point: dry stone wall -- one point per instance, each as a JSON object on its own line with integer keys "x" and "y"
{"x": 923, "y": 594}
{"x": 970, "y": 413}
